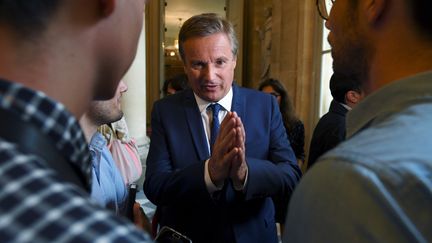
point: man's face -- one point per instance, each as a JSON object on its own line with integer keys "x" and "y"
{"x": 209, "y": 65}
{"x": 351, "y": 48}
{"x": 118, "y": 42}
{"x": 108, "y": 111}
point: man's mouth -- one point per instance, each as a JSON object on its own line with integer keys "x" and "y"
{"x": 210, "y": 87}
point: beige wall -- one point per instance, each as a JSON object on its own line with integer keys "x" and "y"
{"x": 134, "y": 100}
{"x": 254, "y": 18}
{"x": 235, "y": 13}
{"x": 154, "y": 61}
{"x": 295, "y": 59}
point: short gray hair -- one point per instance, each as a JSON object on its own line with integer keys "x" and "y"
{"x": 207, "y": 24}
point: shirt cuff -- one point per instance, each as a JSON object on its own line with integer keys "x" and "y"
{"x": 211, "y": 187}
{"x": 242, "y": 187}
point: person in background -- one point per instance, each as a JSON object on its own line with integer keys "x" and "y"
{"x": 56, "y": 58}
{"x": 295, "y": 133}
{"x": 124, "y": 150}
{"x": 376, "y": 186}
{"x": 175, "y": 84}
{"x": 293, "y": 125}
{"x": 108, "y": 188}
{"x": 331, "y": 129}
{"x": 218, "y": 152}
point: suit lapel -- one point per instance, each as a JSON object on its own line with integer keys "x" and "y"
{"x": 238, "y": 103}
{"x": 196, "y": 128}
{"x": 194, "y": 120}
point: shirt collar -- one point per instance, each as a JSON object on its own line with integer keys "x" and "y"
{"x": 52, "y": 118}
{"x": 346, "y": 106}
{"x": 389, "y": 99}
{"x": 97, "y": 142}
{"x": 225, "y": 102}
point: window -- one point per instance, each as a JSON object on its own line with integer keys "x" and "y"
{"x": 326, "y": 72}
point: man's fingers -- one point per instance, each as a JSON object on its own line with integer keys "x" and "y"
{"x": 224, "y": 143}
{"x": 227, "y": 124}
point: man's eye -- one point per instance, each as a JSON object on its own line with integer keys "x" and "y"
{"x": 198, "y": 65}
{"x": 220, "y": 62}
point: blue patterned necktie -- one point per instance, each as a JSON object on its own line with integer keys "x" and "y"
{"x": 215, "y": 124}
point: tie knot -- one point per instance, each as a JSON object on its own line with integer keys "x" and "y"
{"x": 215, "y": 108}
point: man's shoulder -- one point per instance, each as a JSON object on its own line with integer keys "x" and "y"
{"x": 391, "y": 135}
{"x": 390, "y": 159}
{"x": 335, "y": 114}
{"x": 175, "y": 98}
{"x": 27, "y": 179}
{"x": 253, "y": 98}
{"x": 10, "y": 152}
{"x": 383, "y": 147}
{"x": 333, "y": 189}
{"x": 376, "y": 172}
{"x": 330, "y": 123}
{"x": 175, "y": 101}
{"x": 250, "y": 93}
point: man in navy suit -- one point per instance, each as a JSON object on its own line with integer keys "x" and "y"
{"x": 331, "y": 129}
{"x": 217, "y": 188}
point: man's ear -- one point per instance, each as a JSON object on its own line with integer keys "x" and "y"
{"x": 374, "y": 9}
{"x": 107, "y": 7}
{"x": 353, "y": 97}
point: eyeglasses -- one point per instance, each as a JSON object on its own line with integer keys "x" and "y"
{"x": 324, "y": 7}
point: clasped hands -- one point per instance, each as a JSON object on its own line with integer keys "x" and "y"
{"x": 228, "y": 158}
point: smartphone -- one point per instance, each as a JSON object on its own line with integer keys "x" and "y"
{"x": 131, "y": 201}
{"x": 169, "y": 235}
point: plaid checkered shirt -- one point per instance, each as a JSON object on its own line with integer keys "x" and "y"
{"x": 36, "y": 204}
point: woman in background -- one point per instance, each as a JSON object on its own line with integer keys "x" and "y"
{"x": 295, "y": 133}
{"x": 293, "y": 126}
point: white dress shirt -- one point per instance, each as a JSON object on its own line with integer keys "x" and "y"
{"x": 206, "y": 117}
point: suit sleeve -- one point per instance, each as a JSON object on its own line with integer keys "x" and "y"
{"x": 278, "y": 174}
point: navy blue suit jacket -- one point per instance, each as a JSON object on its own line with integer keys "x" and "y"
{"x": 329, "y": 132}
{"x": 175, "y": 170}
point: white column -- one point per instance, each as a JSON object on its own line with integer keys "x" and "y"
{"x": 134, "y": 100}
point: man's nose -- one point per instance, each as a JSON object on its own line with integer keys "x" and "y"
{"x": 210, "y": 72}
